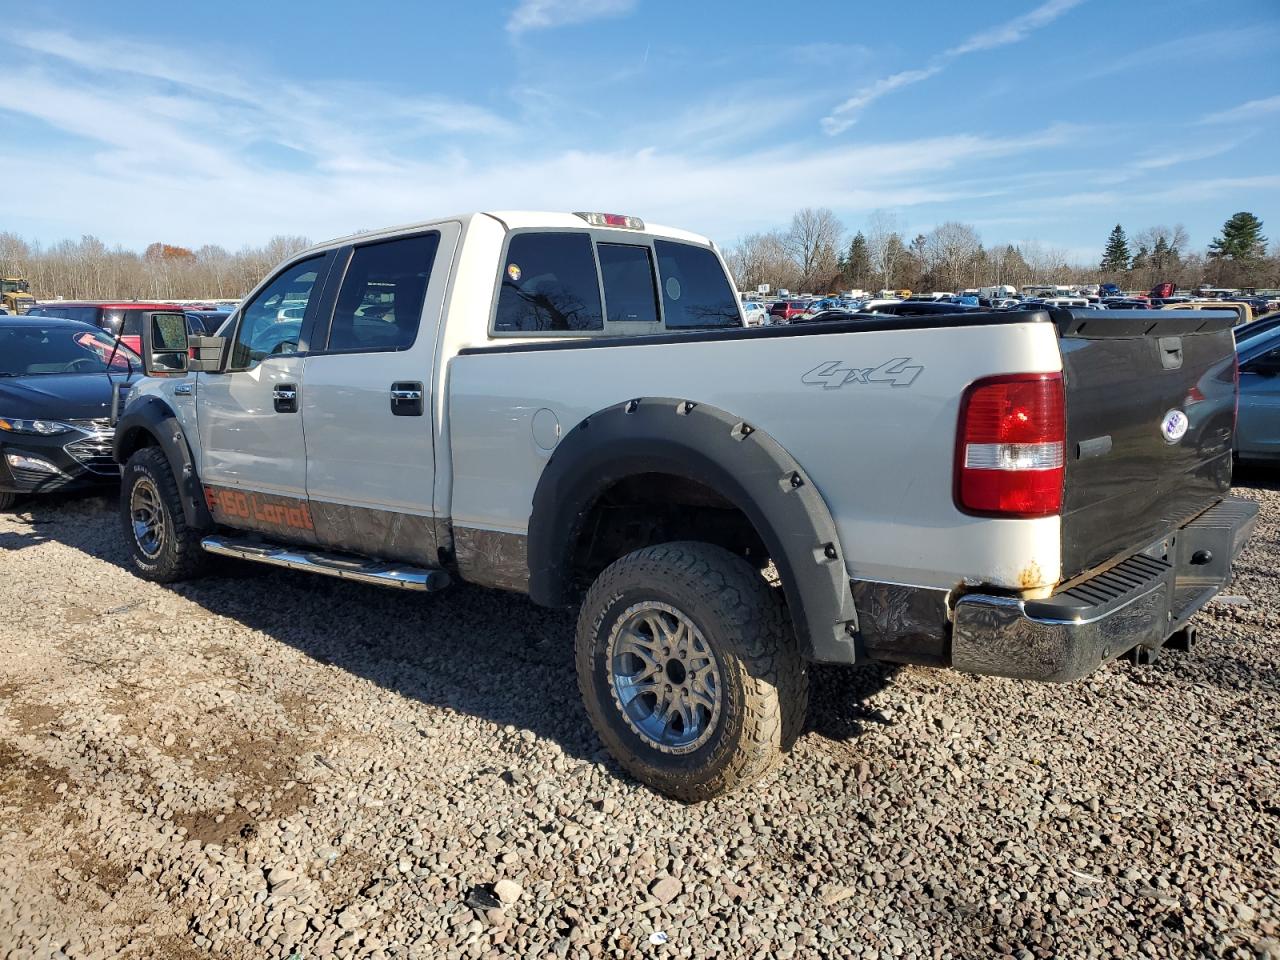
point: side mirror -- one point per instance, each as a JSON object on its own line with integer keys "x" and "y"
{"x": 164, "y": 345}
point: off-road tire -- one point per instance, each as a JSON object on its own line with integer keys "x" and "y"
{"x": 764, "y": 691}
{"x": 180, "y": 556}
{"x": 7, "y": 500}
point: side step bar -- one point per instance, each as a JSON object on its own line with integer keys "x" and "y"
{"x": 331, "y": 564}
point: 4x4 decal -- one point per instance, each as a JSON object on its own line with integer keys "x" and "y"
{"x": 834, "y": 374}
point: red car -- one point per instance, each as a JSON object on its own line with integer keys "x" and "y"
{"x": 120, "y": 319}
{"x": 784, "y": 310}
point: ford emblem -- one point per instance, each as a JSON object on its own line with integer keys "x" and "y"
{"x": 1174, "y": 426}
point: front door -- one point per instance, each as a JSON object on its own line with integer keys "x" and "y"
{"x": 252, "y": 457}
{"x": 368, "y": 405}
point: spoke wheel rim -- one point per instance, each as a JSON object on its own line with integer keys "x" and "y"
{"x": 147, "y": 517}
{"x": 664, "y": 677}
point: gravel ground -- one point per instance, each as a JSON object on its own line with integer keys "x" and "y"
{"x": 266, "y": 764}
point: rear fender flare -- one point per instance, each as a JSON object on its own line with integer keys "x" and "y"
{"x": 151, "y": 416}
{"x": 725, "y": 453}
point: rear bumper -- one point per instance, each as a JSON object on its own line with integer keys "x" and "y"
{"x": 1139, "y": 602}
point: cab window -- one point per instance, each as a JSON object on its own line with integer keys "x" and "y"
{"x": 629, "y": 292}
{"x": 548, "y": 284}
{"x": 380, "y": 302}
{"x": 695, "y": 291}
{"x": 271, "y": 323}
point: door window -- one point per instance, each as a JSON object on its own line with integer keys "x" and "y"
{"x": 271, "y": 323}
{"x": 695, "y": 291}
{"x": 629, "y": 290}
{"x": 380, "y": 303}
{"x": 549, "y": 283}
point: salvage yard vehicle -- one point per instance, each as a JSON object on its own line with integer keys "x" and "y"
{"x": 57, "y": 378}
{"x": 569, "y": 405}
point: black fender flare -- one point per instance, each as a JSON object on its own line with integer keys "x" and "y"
{"x": 151, "y": 416}
{"x": 721, "y": 451}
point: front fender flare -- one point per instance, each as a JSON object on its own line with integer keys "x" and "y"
{"x": 152, "y": 416}
{"x": 721, "y": 451}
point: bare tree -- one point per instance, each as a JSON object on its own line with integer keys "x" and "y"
{"x": 950, "y": 249}
{"x": 762, "y": 258}
{"x": 885, "y": 245}
{"x": 814, "y": 244}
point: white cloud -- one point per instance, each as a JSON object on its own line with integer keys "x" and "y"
{"x": 845, "y": 115}
{"x": 544, "y": 14}
{"x": 1245, "y": 111}
{"x": 1016, "y": 30}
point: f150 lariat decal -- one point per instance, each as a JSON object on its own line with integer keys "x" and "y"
{"x": 834, "y": 374}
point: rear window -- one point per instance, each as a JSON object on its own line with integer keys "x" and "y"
{"x": 695, "y": 291}
{"x": 549, "y": 283}
{"x": 629, "y": 292}
{"x": 83, "y": 314}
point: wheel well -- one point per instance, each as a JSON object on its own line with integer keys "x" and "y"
{"x": 134, "y": 440}
{"x": 651, "y": 508}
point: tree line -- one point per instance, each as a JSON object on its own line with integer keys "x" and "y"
{"x": 87, "y": 269}
{"x": 815, "y": 254}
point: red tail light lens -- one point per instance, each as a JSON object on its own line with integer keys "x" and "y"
{"x": 1011, "y": 446}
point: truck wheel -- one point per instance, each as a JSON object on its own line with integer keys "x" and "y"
{"x": 688, "y": 669}
{"x": 7, "y": 500}
{"x": 163, "y": 547}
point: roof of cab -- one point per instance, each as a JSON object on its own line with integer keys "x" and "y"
{"x": 518, "y": 220}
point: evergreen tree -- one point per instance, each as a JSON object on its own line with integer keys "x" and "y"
{"x": 1241, "y": 241}
{"x": 1115, "y": 258}
{"x": 1141, "y": 260}
{"x": 857, "y": 264}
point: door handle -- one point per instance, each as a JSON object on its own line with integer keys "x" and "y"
{"x": 286, "y": 398}
{"x": 406, "y": 399}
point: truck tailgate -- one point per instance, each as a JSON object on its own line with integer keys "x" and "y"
{"x": 1129, "y": 480}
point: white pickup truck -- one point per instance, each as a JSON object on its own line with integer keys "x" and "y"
{"x": 570, "y": 405}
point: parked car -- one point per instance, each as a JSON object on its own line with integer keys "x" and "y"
{"x": 521, "y": 439}
{"x": 1258, "y": 421}
{"x": 123, "y": 319}
{"x": 755, "y": 313}
{"x": 56, "y": 382}
{"x": 1247, "y": 331}
{"x": 912, "y": 307}
{"x": 783, "y": 310}
{"x": 201, "y": 322}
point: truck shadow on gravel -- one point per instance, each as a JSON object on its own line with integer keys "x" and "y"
{"x": 482, "y": 652}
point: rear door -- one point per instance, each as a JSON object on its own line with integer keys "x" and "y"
{"x": 252, "y": 454}
{"x": 1150, "y": 411}
{"x": 367, "y": 402}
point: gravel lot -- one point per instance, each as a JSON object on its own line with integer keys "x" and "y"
{"x": 270, "y": 764}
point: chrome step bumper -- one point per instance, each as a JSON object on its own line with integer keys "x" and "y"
{"x": 381, "y": 574}
{"x": 1140, "y": 602}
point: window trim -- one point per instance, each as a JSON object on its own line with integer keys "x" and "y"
{"x": 342, "y": 264}
{"x": 308, "y": 317}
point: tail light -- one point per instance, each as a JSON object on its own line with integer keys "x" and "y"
{"x": 1011, "y": 446}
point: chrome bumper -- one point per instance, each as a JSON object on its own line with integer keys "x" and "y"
{"x": 1139, "y": 602}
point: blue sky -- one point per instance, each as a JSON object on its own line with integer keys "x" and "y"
{"x": 230, "y": 122}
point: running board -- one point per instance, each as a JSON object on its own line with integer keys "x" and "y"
{"x": 382, "y": 574}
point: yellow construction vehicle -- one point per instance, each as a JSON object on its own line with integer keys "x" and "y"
{"x": 15, "y": 295}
